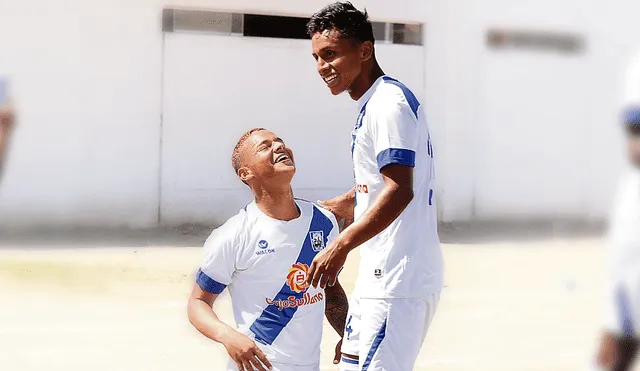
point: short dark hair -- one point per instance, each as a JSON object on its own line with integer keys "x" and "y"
{"x": 344, "y": 17}
{"x": 235, "y": 156}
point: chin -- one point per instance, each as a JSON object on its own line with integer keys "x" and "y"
{"x": 337, "y": 91}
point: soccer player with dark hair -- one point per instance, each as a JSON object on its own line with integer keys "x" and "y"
{"x": 392, "y": 205}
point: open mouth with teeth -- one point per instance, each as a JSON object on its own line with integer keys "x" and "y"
{"x": 329, "y": 80}
{"x": 282, "y": 158}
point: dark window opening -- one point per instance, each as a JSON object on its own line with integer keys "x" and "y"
{"x": 275, "y": 26}
{"x": 281, "y": 27}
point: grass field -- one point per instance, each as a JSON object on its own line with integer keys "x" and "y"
{"x": 509, "y": 306}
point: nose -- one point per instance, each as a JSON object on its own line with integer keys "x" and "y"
{"x": 278, "y": 147}
{"x": 322, "y": 65}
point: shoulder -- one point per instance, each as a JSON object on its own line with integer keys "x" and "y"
{"x": 392, "y": 96}
{"x": 231, "y": 232}
{"x": 323, "y": 213}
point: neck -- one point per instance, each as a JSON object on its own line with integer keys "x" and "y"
{"x": 277, "y": 203}
{"x": 366, "y": 79}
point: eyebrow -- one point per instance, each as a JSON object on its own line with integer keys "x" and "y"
{"x": 277, "y": 139}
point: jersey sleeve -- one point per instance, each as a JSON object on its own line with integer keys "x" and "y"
{"x": 631, "y": 113}
{"x": 395, "y": 133}
{"x": 220, "y": 258}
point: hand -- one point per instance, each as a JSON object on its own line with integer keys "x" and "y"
{"x": 338, "y": 355}
{"x": 326, "y": 265}
{"x": 246, "y": 354}
{"x": 342, "y": 207}
{"x": 608, "y": 351}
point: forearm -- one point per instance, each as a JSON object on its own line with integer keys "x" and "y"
{"x": 386, "y": 208}
{"x": 337, "y": 307}
{"x": 204, "y": 319}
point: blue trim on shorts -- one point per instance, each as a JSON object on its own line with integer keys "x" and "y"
{"x": 349, "y": 360}
{"x": 376, "y": 344}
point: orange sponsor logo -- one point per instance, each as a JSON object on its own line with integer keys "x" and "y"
{"x": 297, "y": 277}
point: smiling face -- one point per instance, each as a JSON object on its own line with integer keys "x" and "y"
{"x": 264, "y": 158}
{"x": 339, "y": 60}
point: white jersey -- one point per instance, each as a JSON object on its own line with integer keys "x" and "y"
{"x": 405, "y": 259}
{"x": 264, "y": 262}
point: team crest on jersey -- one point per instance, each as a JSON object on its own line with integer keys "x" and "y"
{"x": 297, "y": 277}
{"x": 377, "y": 273}
{"x": 317, "y": 240}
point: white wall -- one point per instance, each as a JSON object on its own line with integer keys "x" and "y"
{"x": 87, "y": 79}
{"x": 217, "y": 87}
{"x": 526, "y": 134}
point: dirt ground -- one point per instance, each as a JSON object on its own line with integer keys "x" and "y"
{"x": 507, "y": 306}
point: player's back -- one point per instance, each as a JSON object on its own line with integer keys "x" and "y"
{"x": 266, "y": 267}
{"x": 404, "y": 260}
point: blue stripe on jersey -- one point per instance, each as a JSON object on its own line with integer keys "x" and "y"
{"x": 354, "y": 132}
{"x": 408, "y": 94}
{"x": 272, "y": 321}
{"x": 626, "y": 323}
{"x": 632, "y": 116}
{"x": 399, "y": 156}
{"x": 375, "y": 345}
{"x": 208, "y": 284}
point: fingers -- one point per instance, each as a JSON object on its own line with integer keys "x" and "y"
{"x": 338, "y": 353}
{"x": 247, "y": 365}
{"x": 324, "y": 205}
{"x": 324, "y": 280}
{"x": 317, "y": 275}
{"x": 257, "y": 365}
{"x": 333, "y": 280}
{"x": 263, "y": 358}
{"x": 312, "y": 271}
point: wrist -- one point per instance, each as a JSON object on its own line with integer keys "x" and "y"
{"x": 225, "y": 335}
{"x": 343, "y": 242}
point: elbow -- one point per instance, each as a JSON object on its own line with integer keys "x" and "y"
{"x": 190, "y": 311}
{"x": 405, "y": 196}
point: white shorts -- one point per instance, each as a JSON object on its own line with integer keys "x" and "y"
{"x": 231, "y": 366}
{"x": 387, "y": 334}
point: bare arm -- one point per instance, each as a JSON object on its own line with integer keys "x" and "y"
{"x": 390, "y": 203}
{"x": 337, "y": 307}
{"x": 241, "y": 349}
{"x": 387, "y": 207}
{"x": 204, "y": 319}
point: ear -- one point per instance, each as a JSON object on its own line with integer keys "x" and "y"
{"x": 244, "y": 173}
{"x": 366, "y": 50}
